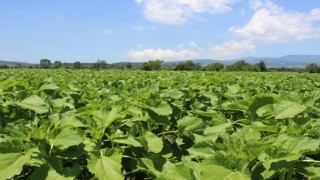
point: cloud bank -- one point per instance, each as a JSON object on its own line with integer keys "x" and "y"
{"x": 273, "y": 24}
{"x": 181, "y": 11}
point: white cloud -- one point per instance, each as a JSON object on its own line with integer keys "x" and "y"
{"x": 163, "y": 54}
{"x": 192, "y": 50}
{"x": 232, "y": 49}
{"x": 181, "y": 11}
{"x": 108, "y": 32}
{"x": 272, "y": 23}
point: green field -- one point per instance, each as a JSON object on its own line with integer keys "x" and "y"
{"x": 61, "y": 124}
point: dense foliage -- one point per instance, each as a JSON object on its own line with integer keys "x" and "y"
{"x": 62, "y": 124}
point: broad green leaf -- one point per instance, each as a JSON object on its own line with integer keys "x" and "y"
{"x": 176, "y": 171}
{"x": 202, "y": 149}
{"x": 103, "y": 167}
{"x": 127, "y": 140}
{"x": 173, "y": 93}
{"x": 34, "y": 103}
{"x": 154, "y": 163}
{"x": 112, "y": 116}
{"x": 68, "y": 119}
{"x": 313, "y": 173}
{"x": 258, "y": 102}
{"x": 188, "y": 124}
{"x": 50, "y": 86}
{"x": 213, "y": 98}
{"x": 151, "y": 141}
{"x": 233, "y": 89}
{"x": 105, "y": 116}
{"x": 67, "y": 138}
{"x": 63, "y": 102}
{"x": 287, "y": 109}
{"x": 12, "y": 163}
{"x": 297, "y": 144}
{"x": 164, "y": 109}
{"x": 214, "y": 131}
{"x": 214, "y": 172}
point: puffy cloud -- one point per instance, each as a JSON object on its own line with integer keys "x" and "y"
{"x": 192, "y": 50}
{"x": 272, "y": 23}
{"x": 163, "y": 54}
{"x": 232, "y": 49}
{"x": 180, "y": 11}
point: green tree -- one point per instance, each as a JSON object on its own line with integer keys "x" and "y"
{"x": 152, "y": 65}
{"x": 312, "y": 68}
{"x": 100, "y": 64}
{"x": 77, "y": 65}
{"x": 240, "y": 66}
{"x": 214, "y": 67}
{"x": 45, "y": 63}
{"x": 262, "y": 66}
{"x": 19, "y": 66}
{"x": 129, "y": 65}
{"x": 187, "y": 66}
{"x": 57, "y": 64}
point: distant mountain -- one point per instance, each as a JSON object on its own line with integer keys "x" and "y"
{"x": 12, "y": 63}
{"x": 286, "y": 61}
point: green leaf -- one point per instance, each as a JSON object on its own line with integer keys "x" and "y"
{"x": 163, "y": 110}
{"x": 176, "y": 171}
{"x": 34, "y": 103}
{"x": 50, "y": 86}
{"x": 12, "y": 163}
{"x": 127, "y": 140}
{"x": 188, "y": 124}
{"x": 313, "y": 173}
{"x": 297, "y": 144}
{"x": 234, "y": 89}
{"x": 173, "y": 93}
{"x": 67, "y": 138}
{"x": 108, "y": 168}
{"x": 112, "y": 116}
{"x": 213, "y": 98}
{"x": 215, "y": 131}
{"x": 258, "y": 102}
{"x": 287, "y": 109}
{"x": 154, "y": 163}
{"x": 215, "y": 172}
{"x": 151, "y": 141}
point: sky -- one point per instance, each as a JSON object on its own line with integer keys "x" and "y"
{"x": 141, "y": 30}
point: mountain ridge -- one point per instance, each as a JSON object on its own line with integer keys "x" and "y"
{"x": 282, "y": 61}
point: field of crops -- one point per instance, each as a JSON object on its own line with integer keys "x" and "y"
{"x": 61, "y": 124}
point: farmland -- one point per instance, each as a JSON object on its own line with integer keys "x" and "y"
{"x": 65, "y": 124}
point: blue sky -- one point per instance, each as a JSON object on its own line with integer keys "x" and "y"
{"x": 140, "y": 30}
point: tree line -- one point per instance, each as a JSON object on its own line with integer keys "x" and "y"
{"x": 191, "y": 66}
{"x": 159, "y": 65}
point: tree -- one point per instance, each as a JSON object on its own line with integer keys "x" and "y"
{"x": 187, "y": 66}
{"x": 4, "y": 66}
{"x": 262, "y": 66}
{"x": 77, "y": 65}
{"x": 57, "y": 64}
{"x": 100, "y": 64}
{"x": 240, "y": 66}
{"x": 152, "y": 65}
{"x": 19, "y": 66}
{"x": 129, "y": 65}
{"x": 45, "y": 63}
{"x": 214, "y": 67}
{"x": 312, "y": 68}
